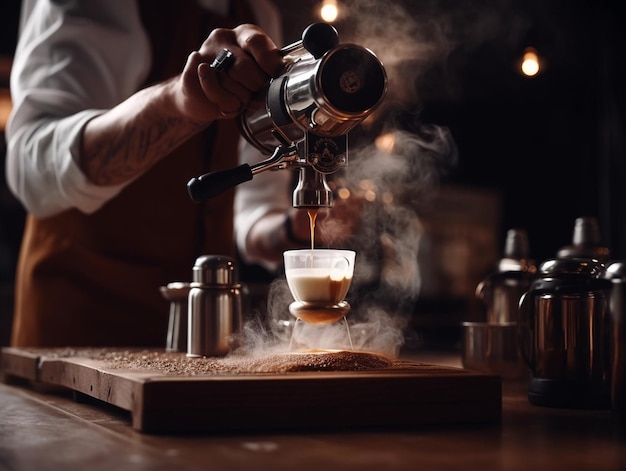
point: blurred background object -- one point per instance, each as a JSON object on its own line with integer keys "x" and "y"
{"x": 11, "y": 213}
{"x": 533, "y": 95}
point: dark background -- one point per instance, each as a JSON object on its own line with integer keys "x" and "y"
{"x": 552, "y": 147}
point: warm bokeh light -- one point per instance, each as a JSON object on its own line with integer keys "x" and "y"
{"x": 329, "y": 11}
{"x": 530, "y": 63}
{"x": 370, "y": 195}
{"x": 385, "y": 142}
{"x": 369, "y": 189}
{"x": 367, "y": 184}
{"x": 343, "y": 193}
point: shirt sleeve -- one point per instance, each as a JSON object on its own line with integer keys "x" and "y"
{"x": 68, "y": 69}
{"x": 267, "y": 192}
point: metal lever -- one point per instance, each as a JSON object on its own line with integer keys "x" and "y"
{"x": 213, "y": 183}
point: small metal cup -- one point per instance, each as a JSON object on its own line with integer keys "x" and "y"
{"x": 493, "y": 348}
{"x": 177, "y": 294}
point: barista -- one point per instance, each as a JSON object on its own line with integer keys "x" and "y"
{"x": 115, "y": 108}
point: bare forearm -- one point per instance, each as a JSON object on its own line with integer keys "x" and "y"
{"x": 128, "y": 139}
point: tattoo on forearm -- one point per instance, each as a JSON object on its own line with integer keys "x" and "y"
{"x": 122, "y": 156}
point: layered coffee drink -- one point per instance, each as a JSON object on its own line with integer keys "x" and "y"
{"x": 319, "y": 280}
{"x": 317, "y": 285}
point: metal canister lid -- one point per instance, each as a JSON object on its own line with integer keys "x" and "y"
{"x": 586, "y": 241}
{"x": 572, "y": 266}
{"x": 570, "y": 275}
{"x": 215, "y": 270}
{"x": 616, "y": 271}
{"x": 175, "y": 291}
{"x": 516, "y": 253}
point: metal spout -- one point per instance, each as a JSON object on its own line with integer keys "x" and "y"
{"x": 312, "y": 190}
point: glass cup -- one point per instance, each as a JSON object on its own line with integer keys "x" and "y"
{"x": 319, "y": 280}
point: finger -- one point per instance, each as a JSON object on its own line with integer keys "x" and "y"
{"x": 212, "y": 88}
{"x": 257, "y": 59}
{"x": 190, "y": 74}
{"x": 235, "y": 88}
{"x": 241, "y": 78}
{"x": 194, "y": 99}
{"x": 219, "y": 68}
{"x": 246, "y": 72}
{"x": 261, "y": 48}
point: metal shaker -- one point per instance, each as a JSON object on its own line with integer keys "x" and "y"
{"x": 492, "y": 346}
{"x": 564, "y": 334}
{"x": 616, "y": 272}
{"x": 215, "y": 307}
{"x": 501, "y": 290}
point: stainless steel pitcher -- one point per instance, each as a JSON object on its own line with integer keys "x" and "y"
{"x": 565, "y": 334}
{"x": 215, "y": 307}
{"x": 177, "y": 293}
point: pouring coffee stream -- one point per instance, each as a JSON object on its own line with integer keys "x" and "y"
{"x": 312, "y": 218}
{"x": 301, "y": 120}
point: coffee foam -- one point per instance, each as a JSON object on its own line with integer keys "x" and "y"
{"x": 317, "y": 285}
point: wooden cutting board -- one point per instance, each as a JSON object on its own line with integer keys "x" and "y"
{"x": 405, "y": 394}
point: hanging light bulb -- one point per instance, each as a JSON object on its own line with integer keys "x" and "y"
{"x": 530, "y": 64}
{"x": 329, "y": 11}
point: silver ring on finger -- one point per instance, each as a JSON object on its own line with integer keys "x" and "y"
{"x": 223, "y": 60}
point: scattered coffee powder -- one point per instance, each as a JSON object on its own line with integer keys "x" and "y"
{"x": 175, "y": 363}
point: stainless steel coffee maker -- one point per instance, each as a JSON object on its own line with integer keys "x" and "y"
{"x": 303, "y": 117}
{"x": 565, "y": 334}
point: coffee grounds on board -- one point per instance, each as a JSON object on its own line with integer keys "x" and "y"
{"x": 175, "y": 363}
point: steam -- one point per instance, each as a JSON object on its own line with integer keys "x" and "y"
{"x": 374, "y": 330}
{"x": 407, "y": 44}
{"x": 421, "y": 42}
{"x": 386, "y": 187}
{"x": 395, "y": 167}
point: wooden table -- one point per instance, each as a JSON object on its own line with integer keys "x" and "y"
{"x": 43, "y": 431}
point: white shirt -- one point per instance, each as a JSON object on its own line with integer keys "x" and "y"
{"x": 53, "y": 98}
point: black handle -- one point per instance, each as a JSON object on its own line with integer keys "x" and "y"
{"x": 319, "y": 38}
{"x": 213, "y": 183}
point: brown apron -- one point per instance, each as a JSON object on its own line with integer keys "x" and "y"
{"x": 93, "y": 280}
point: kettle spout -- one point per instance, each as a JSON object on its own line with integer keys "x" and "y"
{"x": 312, "y": 190}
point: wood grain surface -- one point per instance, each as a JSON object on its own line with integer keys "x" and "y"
{"x": 407, "y": 394}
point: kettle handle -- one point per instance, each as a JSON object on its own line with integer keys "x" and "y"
{"x": 483, "y": 290}
{"x": 525, "y": 330}
{"x": 213, "y": 183}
